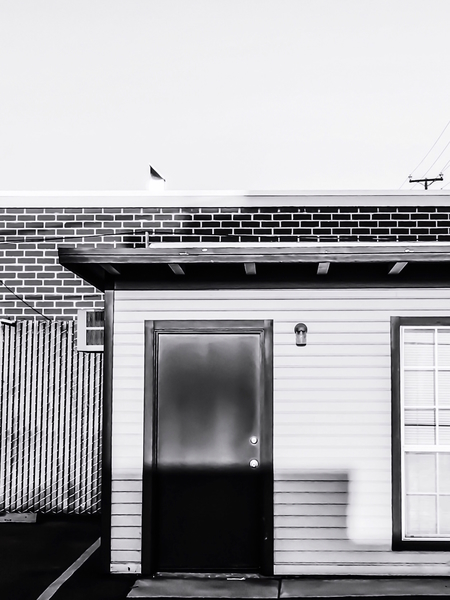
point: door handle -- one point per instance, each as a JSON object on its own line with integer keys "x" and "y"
{"x": 254, "y": 463}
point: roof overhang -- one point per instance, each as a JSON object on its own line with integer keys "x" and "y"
{"x": 310, "y": 263}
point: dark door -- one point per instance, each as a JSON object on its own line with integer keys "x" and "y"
{"x": 210, "y": 447}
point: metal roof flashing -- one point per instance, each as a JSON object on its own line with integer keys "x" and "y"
{"x": 219, "y": 198}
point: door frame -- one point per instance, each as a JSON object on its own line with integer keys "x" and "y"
{"x": 152, "y": 330}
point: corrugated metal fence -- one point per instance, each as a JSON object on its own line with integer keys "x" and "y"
{"x": 50, "y": 420}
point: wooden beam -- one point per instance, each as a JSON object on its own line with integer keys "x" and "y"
{"x": 177, "y": 269}
{"x": 397, "y": 268}
{"x": 250, "y": 268}
{"x": 312, "y": 253}
{"x": 322, "y": 268}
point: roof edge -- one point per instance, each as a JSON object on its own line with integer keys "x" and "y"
{"x": 227, "y": 198}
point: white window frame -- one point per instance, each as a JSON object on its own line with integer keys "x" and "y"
{"x": 436, "y": 448}
{"x": 82, "y": 345}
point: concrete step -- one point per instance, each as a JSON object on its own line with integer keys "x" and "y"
{"x": 204, "y": 588}
{"x": 393, "y": 587}
{"x": 290, "y": 588}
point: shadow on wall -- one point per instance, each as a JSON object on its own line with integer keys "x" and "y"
{"x": 316, "y": 511}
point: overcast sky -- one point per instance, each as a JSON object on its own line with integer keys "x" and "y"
{"x": 222, "y": 94}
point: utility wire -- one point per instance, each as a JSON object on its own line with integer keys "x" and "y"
{"x": 24, "y": 301}
{"x": 445, "y": 148}
{"x": 446, "y": 166}
{"x": 426, "y": 155}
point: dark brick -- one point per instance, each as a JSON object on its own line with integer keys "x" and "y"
{"x": 242, "y": 231}
{"x": 124, "y": 218}
{"x": 131, "y": 210}
{"x": 189, "y": 238}
{"x": 223, "y": 231}
{"x": 262, "y": 217}
{"x": 302, "y": 230}
{"x": 228, "y": 209}
{"x": 247, "y": 223}
{"x": 209, "y": 209}
{"x": 419, "y": 230}
{"x": 426, "y": 238}
{"x": 427, "y": 224}
{"x": 171, "y": 238}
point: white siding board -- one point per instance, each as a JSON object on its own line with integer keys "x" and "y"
{"x": 126, "y": 532}
{"x": 358, "y": 556}
{"x": 318, "y": 476}
{"x": 125, "y": 428}
{"x": 127, "y": 497}
{"x": 123, "y": 521}
{"x": 332, "y": 411}
{"x": 291, "y": 531}
{"x": 125, "y": 567}
{"x": 127, "y": 442}
{"x": 362, "y": 569}
{"x": 127, "y": 485}
{"x": 125, "y": 509}
{"x": 320, "y": 486}
{"x": 358, "y": 361}
{"x": 121, "y": 543}
{"x": 128, "y": 308}
{"x": 326, "y": 545}
{"x": 130, "y": 472}
{"x": 342, "y": 400}
{"x": 282, "y": 294}
{"x": 132, "y": 556}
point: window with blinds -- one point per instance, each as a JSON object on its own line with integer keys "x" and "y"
{"x": 425, "y": 432}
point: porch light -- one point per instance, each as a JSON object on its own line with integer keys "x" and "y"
{"x": 300, "y": 331}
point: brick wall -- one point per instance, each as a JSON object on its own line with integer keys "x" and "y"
{"x": 30, "y": 237}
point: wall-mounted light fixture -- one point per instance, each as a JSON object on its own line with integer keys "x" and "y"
{"x": 300, "y": 331}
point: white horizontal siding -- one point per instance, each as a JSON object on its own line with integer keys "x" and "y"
{"x": 332, "y": 420}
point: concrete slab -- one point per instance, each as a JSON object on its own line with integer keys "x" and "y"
{"x": 18, "y": 518}
{"x": 360, "y": 588}
{"x": 204, "y": 588}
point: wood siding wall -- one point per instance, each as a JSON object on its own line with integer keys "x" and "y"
{"x": 332, "y": 429}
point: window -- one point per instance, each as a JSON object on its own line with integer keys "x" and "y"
{"x": 421, "y": 431}
{"x": 90, "y": 333}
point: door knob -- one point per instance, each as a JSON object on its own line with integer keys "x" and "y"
{"x": 253, "y": 440}
{"x": 254, "y": 463}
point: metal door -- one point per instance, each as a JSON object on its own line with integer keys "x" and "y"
{"x": 209, "y": 447}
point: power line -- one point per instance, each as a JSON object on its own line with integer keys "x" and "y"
{"x": 426, "y": 155}
{"x": 445, "y": 167}
{"x": 24, "y": 301}
{"x": 445, "y": 148}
